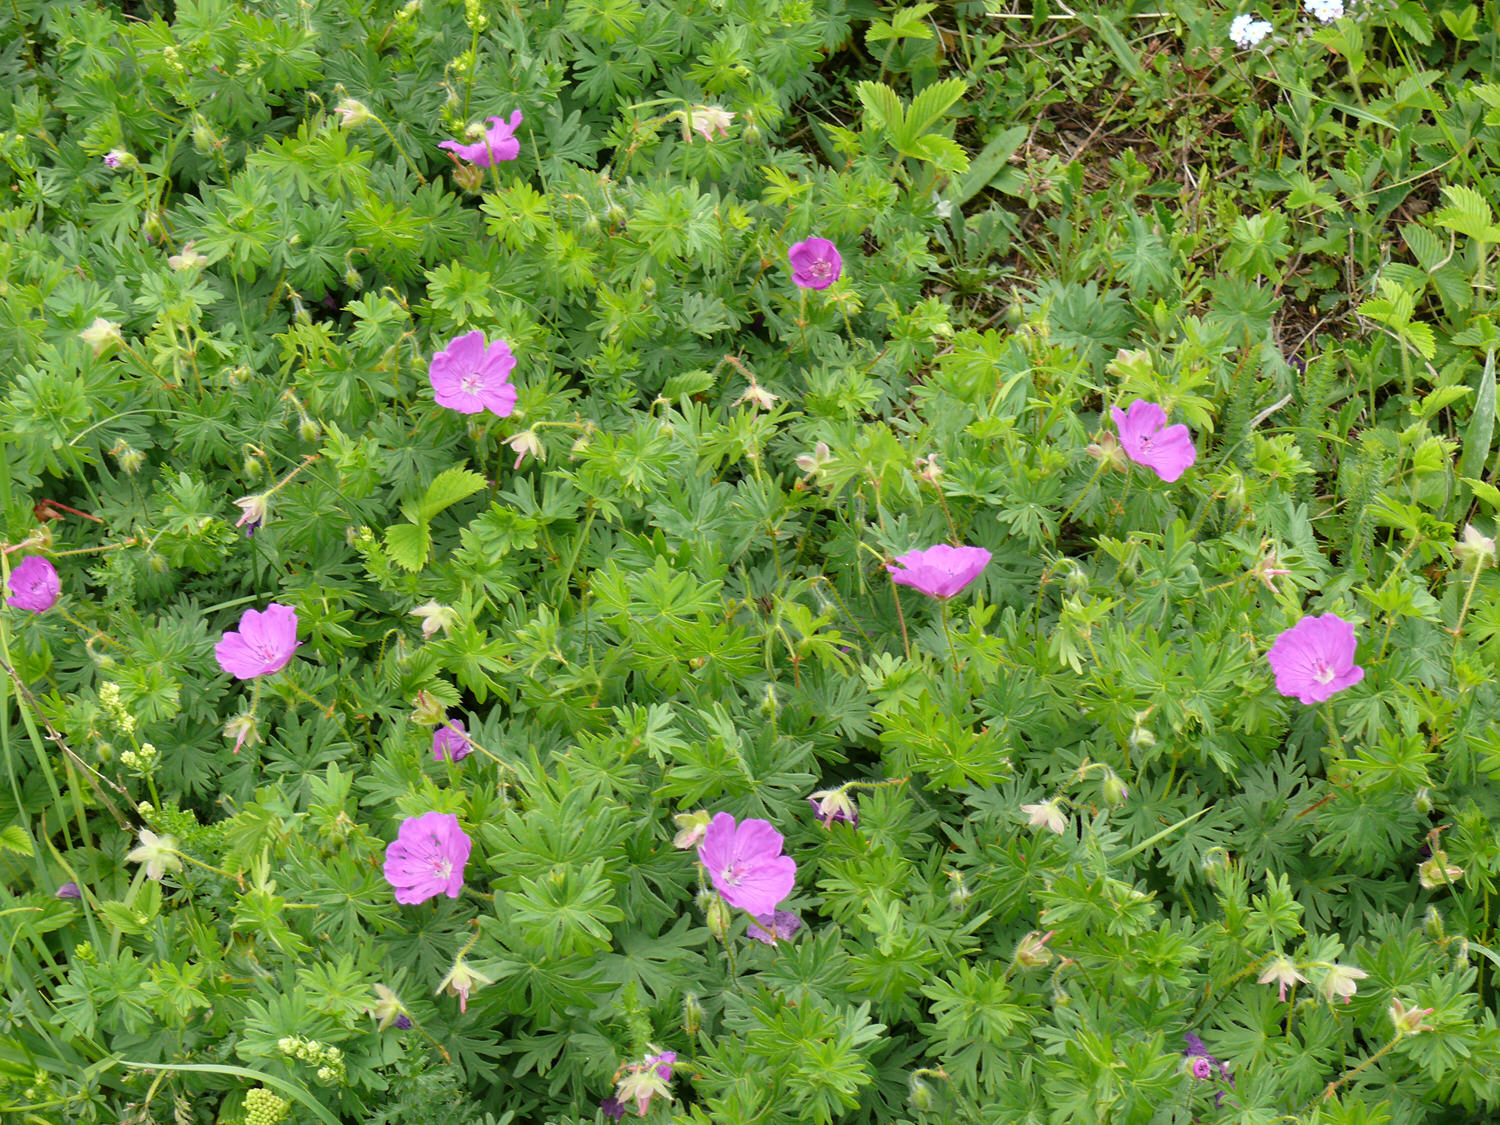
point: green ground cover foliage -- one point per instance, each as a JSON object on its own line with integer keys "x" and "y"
{"x": 1094, "y": 867}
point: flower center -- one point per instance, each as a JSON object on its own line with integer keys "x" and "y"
{"x": 1322, "y": 672}
{"x": 820, "y": 268}
{"x": 470, "y": 383}
{"x": 732, "y": 874}
{"x": 266, "y": 651}
{"x": 443, "y": 869}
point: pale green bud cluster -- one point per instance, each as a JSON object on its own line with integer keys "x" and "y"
{"x": 329, "y": 1060}
{"x": 115, "y": 711}
{"x": 142, "y": 760}
{"x": 264, "y": 1108}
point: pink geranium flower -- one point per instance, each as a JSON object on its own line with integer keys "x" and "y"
{"x": 940, "y": 571}
{"x": 1315, "y": 658}
{"x": 469, "y": 376}
{"x": 816, "y": 263}
{"x": 34, "y": 585}
{"x": 745, "y": 863}
{"x": 497, "y": 144}
{"x": 263, "y": 644}
{"x": 449, "y": 741}
{"x": 1148, "y": 440}
{"x": 427, "y": 858}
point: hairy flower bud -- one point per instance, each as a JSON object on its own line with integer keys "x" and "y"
{"x": 717, "y": 915}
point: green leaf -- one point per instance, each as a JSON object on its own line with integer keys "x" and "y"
{"x": 448, "y": 488}
{"x": 15, "y": 839}
{"x": 1467, "y": 212}
{"x": 1116, "y": 43}
{"x": 906, "y": 23}
{"x": 292, "y": 1089}
{"x": 928, "y": 107}
{"x": 882, "y": 106}
{"x": 988, "y": 164}
{"x": 1481, "y": 429}
{"x": 1484, "y": 491}
{"x": 944, "y": 155}
{"x": 408, "y": 544}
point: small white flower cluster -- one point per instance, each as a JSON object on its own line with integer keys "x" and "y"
{"x": 1247, "y": 31}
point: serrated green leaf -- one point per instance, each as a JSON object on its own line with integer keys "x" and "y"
{"x": 448, "y": 488}
{"x": 1467, "y": 212}
{"x": 928, "y": 107}
{"x": 1484, "y": 491}
{"x": 15, "y": 839}
{"x": 408, "y": 544}
{"x": 944, "y": 155}
{"x": 907, "y": 23}
{"x": 1481, "y": 429}
{"x": 882, "y": 106}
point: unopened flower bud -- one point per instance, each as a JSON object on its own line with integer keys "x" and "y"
{"x": 1114, "y": 789}
{"x": 692, "y": 1014}
{"x": 1432, "y": 924}
{"x": 919, "y": 1094}
{"x": 717, "y": 917}
{"x": 1422, "y": 800}
{"x": 309, "y": 430}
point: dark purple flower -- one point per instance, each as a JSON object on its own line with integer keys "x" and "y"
{"x": 663, "y": 1063}
{"x": 403, "y": 1021}
{"x": 68, "y": 890}
{"x": 771, "y": 928}
{"x": 940, "y": 571}
{"x": 1315, "y": 658}
{"x": 745, "y": 863}
{"x": 449, "y": 741}
{"x": 613, "y": 1108}
{"x": 1148, "y": 440}
{"x": 816, "y": 263}
{"x": 34, "y": 585}
{"x": 497, "y": 144}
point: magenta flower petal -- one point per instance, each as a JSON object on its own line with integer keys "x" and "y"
{"x": 34, "y": 585}
{"x": 940, "y": 571}
{"x": 816, "y": 263}
{"x": 450, "y": 742}
{"x": 497, "y": 144}
{"x": 1314, "y": 659}
{"x": 469, "y": 375}
{"x": 745, "y": 863}
{"x": 427, "y": 858}
{"x": 1148, "y": 440}
{"x": 771, "y": 928}
{"x": 263, "y": 645}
